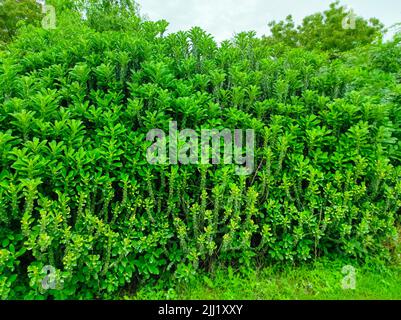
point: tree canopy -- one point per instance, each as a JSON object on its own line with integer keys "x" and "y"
{"x": 12, "y": 12}
{"x": 335, "y": 29}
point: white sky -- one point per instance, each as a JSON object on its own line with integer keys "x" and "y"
{"x": 223, "y": 18}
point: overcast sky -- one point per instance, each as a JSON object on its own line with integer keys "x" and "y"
{"x": 223, "y": 18}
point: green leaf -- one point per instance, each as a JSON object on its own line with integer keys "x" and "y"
{"x": 5, "y": 242}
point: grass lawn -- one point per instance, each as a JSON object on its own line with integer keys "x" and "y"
{"x": 320, "y": 280}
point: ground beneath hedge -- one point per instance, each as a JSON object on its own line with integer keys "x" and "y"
{"x": 320, "y": 280}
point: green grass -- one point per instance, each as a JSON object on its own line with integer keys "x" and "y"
{"x": 319, "y": 281}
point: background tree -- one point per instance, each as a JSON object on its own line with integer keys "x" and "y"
{"x": 14, "y": 11}
{"x": 105, "y": 15}
{"x": 335, "y": 29}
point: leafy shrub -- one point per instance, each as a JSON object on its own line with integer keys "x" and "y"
{"x": 77, "y": 193}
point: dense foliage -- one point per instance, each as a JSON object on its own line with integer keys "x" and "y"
{"x": 77, "y": 193}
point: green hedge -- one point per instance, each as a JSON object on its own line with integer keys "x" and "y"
{"x": 77, "y": 193}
